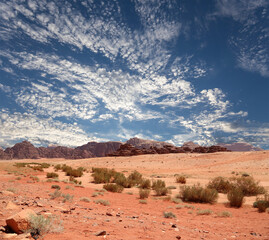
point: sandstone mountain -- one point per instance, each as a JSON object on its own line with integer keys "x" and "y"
{"x": 190, "y": 145}
{"x": 142, "y": 143}
{"x": 240, "y": 147}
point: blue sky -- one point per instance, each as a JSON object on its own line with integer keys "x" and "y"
{"x": 187, "y": 70}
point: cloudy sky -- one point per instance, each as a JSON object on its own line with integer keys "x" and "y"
{"x": 169, "y": 70}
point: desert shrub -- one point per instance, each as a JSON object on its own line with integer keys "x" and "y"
{"x": 84, "y": 199}
{"x": 263, "y": 203}
{"x": 56, "y": 187}
{"x": 19, "y": 164}
{"x": 52, "y": 175}
{"x": 144, "y": 193}
{"x": 35, "y": 178}
{"x": 111, "y": 187}
{"x": 224, "y": 214}
{"x": 18, "y": 178}
{"x": 67, "y": 197}
{"x": 55, "y": 194}
{"x": 199, "y": 194}
{"x": 171, "y": 187}
{"x": 245, "y": 174}
{"x": 145, "y": 184}
{"x": 69, "y": 187}
{"x": 102, "y": 202}
{"x": 169, "y": 215}
{"x": 38, "y": 168}
{"x": 159, "y": 187}
{"x": 129, "y": 193}
{"x": 135, "y": 178}
{"x": 181, "y": 179}
{"x": 204, "y": 212}
{"x": 102, "y": 175}
{"x": 73, "y": 180}
{"x": 221, "y": 184}
{"x": 236, "y": 197}
{"x": 57, "y": 167}
{"x": 248, "y": 185}
{"x": 40, "y": 225}
{"x": 176, "y": 200}
{"x": 74, "y": 172}
{"x": 143, "y": 201}
{"x": 11, "y": 190}
{"x": 45, "y": 165}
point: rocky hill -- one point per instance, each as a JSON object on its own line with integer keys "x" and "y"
{"x": 240, "y": 147}
{"x": 142, "y": 143}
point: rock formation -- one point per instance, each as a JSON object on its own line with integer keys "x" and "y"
{"x": 142, "y": 143}
{"x": 190, "y": 145}
{"x": 240, "y": 147}
{"x": 100, "y": 149}
{"x": 22, "y": 150}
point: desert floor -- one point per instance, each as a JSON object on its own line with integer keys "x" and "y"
{"x": 126, "y": 218}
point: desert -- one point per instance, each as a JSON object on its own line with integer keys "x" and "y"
{"x": 86, "y": 211}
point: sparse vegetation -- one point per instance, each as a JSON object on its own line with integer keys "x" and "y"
{"x": 143, "y": 201}
{"x": 35, "y": 178}
{"x": 262, "y": 203}
{"x": 33, "y": 165}
{"x": 102, "y": 202}
{"x": 159, "y": 187}
{"x": 199, "y": 194}
{"x": 181, "y": 179}
{"x": 11, "y": 190}
{"x": 224, "y": 214}
{"x": 84, "y": 199}
{"x": 204, "y": 212}
{"x": 55, "y": 194}
{"x": 67, "y": 197}
{"x": 236, "y": 197}
{"x": 144, "y": 193}
{"x": 221, "y": 184}
{"x": 111, "y": 187}
{"x": 52, "y": 175}
{"x": 55, "y": 187}
{"x": 171, "y": 187}
{"x": 40, "y": 225}
{"x": 145, "y": 184}
{"x": 169, "y": 215}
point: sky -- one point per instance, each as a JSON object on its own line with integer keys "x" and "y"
{"x": 77, "y": 71}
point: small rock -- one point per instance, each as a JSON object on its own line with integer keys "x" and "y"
{"x": 118, "y": 215}
{"x": 9, "y": 236}
{"x": 101, "y": 233}
{"x": 7, "y": 193}
{"x": 176, "y": 229}
{"x": 109, "y": 214}
{"x": 178, "y": 237}
{"x": 205, "y": 231}
{"x": 174, "y": 226}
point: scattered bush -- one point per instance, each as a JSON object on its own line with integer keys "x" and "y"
{"x": 102, "y": 175}
{"x": 113, "y": 187}
{"x": 181, "y": 179}
{"x": 135, "y": 178}
{"x": 221, "y": 184}
{"x": 169, "y": 215}
{"x": 199, "y": 194}
{"x": 145, "y": 184}
{"x": 144, "y": 193}
{"x": 55, "y": 194}
{"x": 73, "y": 180}
{"x": 35, "y": 178}
{"x": 143, "y": 201}
{"x": 248, "y": 185}
{"x": 18, "y": 178}
{"x": 52, "y": 175}
{"x": 171, "y": 187}
{"x": 38, "y": 168}
{"x": 224, "y": 214}
{"x": 11, "y": 190}
{"x": 102, "y": 202}
{"x": 263, "y": 203}
{"x": 159, "y": 187}
{"x": 67, "y": 197}
{"x": 57, "y": 167}
{"x": 236, "y": 197}
{"x": 40, "y": 225}
{"x": 204, "y": 212}
{"x": 56, "y": 187}
{"x": 84, "y": 199}
{"x": 176, "y": 200}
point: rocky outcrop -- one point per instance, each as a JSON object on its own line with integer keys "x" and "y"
{"x": 20, "y": 222}
{"x": 190, "y": 145}
{"x": 100, "y": 149}
{"x": 240, "y": 147}
{"x": 4, "y": 155}
{"x": 142, "y": 143}
{"x": 23, "y": 150}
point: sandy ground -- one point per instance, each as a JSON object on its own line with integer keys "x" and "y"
{"x": 126, "y": 218}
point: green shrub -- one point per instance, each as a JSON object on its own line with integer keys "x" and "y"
{"x": 40, "y": 225}
{"x": 67, "y": 197}
{"x": 221, "y": 184}
{"x": 102, "y": 202}
{"x": 111, "y": 187}
{"x": 159, "y": 187}
{"x": 169, "y": 215}
{"x": 263, "y": 203}
{"x": 52, "y": 175}
{"x": 204, "y": 212}
{"x": 135, "y": 177}
{"x": 248, "y": 185}
{"x": 143, "y": 201}
{"x": 102, "y": 175}
{"x": 181, "y": 179}
{"x": 38, "y": 168}
{"x": 144, "y": 193}
{"x": 55, "y": 194}
{"x": 171, "y": 187}
{"x": 56, "y": 187}
{"x": 199, "y": 194}
{"x": 35, "y": 178}
{"x": 176, "y": 200}
{"x": 236, "y": 197}
{"x": 57, "y": 167}
{"x": 11, "y": 190}
{"x": 145, "y": 184}
{"x": 84, "y": 199}
{"x": 224, "y": 214}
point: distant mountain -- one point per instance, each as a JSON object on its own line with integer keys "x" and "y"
{"x": 190, "y": 145}
{"x": 142, "y": 143}
{"x": 240, "y": 147}
{"x": 100, "y": 149}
